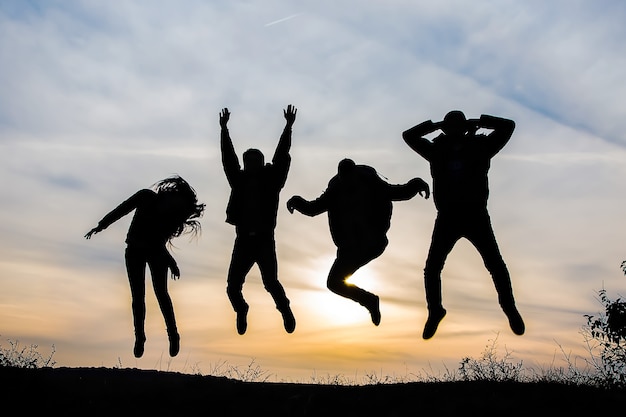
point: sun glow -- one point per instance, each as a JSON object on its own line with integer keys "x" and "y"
{"x": 336, "y": 309}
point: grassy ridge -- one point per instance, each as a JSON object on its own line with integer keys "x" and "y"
{"x": 490, "y": 385}
{"x": 106, "y": 391}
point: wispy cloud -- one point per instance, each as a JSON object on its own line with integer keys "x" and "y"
{"x": 283, "y": 19}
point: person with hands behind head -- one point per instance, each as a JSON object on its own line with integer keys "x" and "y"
{"x": 459, "y": 164}
{"x": 161, "y": 214}
{"x": 252, "y": 208}
{"x": 359, "y": 206}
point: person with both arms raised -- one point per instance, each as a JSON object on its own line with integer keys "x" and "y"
{"x": 252, "y": 209}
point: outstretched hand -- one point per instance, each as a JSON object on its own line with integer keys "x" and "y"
{"x": 224, "y": 117}
{"x": 290, "y": 114}
{"x": 422, "y": 187}
{"x": 293, "y": 203}
{"x": 92, "y": 232}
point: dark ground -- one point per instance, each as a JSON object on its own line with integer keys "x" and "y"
{"x": 123, "y": 392}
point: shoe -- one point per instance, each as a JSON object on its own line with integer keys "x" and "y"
{"x": 242, "y": 320}
{"x": 434, "y": 318}
{"x": 374, "y": 310}
{"x": 174, "y": 344}
{"x": 515, "y": 320}
{"x": 289, "y": 321}
{"x": 139, "y": 345}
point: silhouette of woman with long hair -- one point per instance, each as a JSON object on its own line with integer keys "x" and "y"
{"x": 167, "y": 211}
{"x": 359, "y": 206}
{"x": 459, "y": 163}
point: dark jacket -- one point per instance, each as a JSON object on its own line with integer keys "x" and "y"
{"x": 459, "y": 165}
{"x": 149, "y": 226}
{"x": 359, "y": 206}
{"x": 253, "y": 201}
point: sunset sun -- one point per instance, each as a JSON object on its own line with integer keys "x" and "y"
{"x": 335, "y": 309}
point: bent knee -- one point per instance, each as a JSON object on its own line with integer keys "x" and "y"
{"x": 337, "y": 283}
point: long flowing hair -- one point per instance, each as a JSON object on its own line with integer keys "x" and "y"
{"x": 186, "y": 211}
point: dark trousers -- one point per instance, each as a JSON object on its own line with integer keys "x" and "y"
{"x": 157, "y": 260}
{"x": 476, "y": 227}
{"x": 259, "y": 248}
{"x": 347, "y": 262}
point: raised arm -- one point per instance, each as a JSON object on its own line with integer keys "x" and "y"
{"x": 414, "y": 137}
{"x": 502, "y": 131}
{"x": 229, "y": 157}
{"x": 284, "y": 143}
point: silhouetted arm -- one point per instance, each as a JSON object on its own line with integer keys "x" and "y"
{"x": 230, "y": 161}
{"x": 308, "y": 208}
{"x": 284, "y": 143}
{"x": 120, "y": 211}
{"x": 502, "y": 131}
{"x": 414, "y": 137}
{"x": 173, "y": 266}
{"x": 401, "y": 192}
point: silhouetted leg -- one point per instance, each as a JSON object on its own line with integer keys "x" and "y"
{"x": 240, "y": 264}
{"x": 482, "y": 237}
{"x": 444, "y": 237}
{"x": 136, "y": 270}
{"x": 268, "y": 265}
{"x": 158, "y": 269}
{"x": 348, "y": 261}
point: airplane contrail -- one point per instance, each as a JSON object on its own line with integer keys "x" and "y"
{"x": 282, "y": 20}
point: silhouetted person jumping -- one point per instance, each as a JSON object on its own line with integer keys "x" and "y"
{"x": 459, "y": 162}
{"x": 359, "y": 206}
{"x": 252, "y": 209}
{"x": 162, "y": 214}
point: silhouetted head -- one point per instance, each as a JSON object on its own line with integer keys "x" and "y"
{"x": 179, "y": 206}
{"x": 345, "y": 167}
{"x": 253, "y": 160}
{"x": 454, "y": 123}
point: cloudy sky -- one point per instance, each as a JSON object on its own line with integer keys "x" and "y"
{"x": 101, "y": 99}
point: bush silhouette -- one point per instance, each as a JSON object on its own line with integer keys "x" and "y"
{"x": 606, "y": 339}
{"x": 24, "y": 356}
